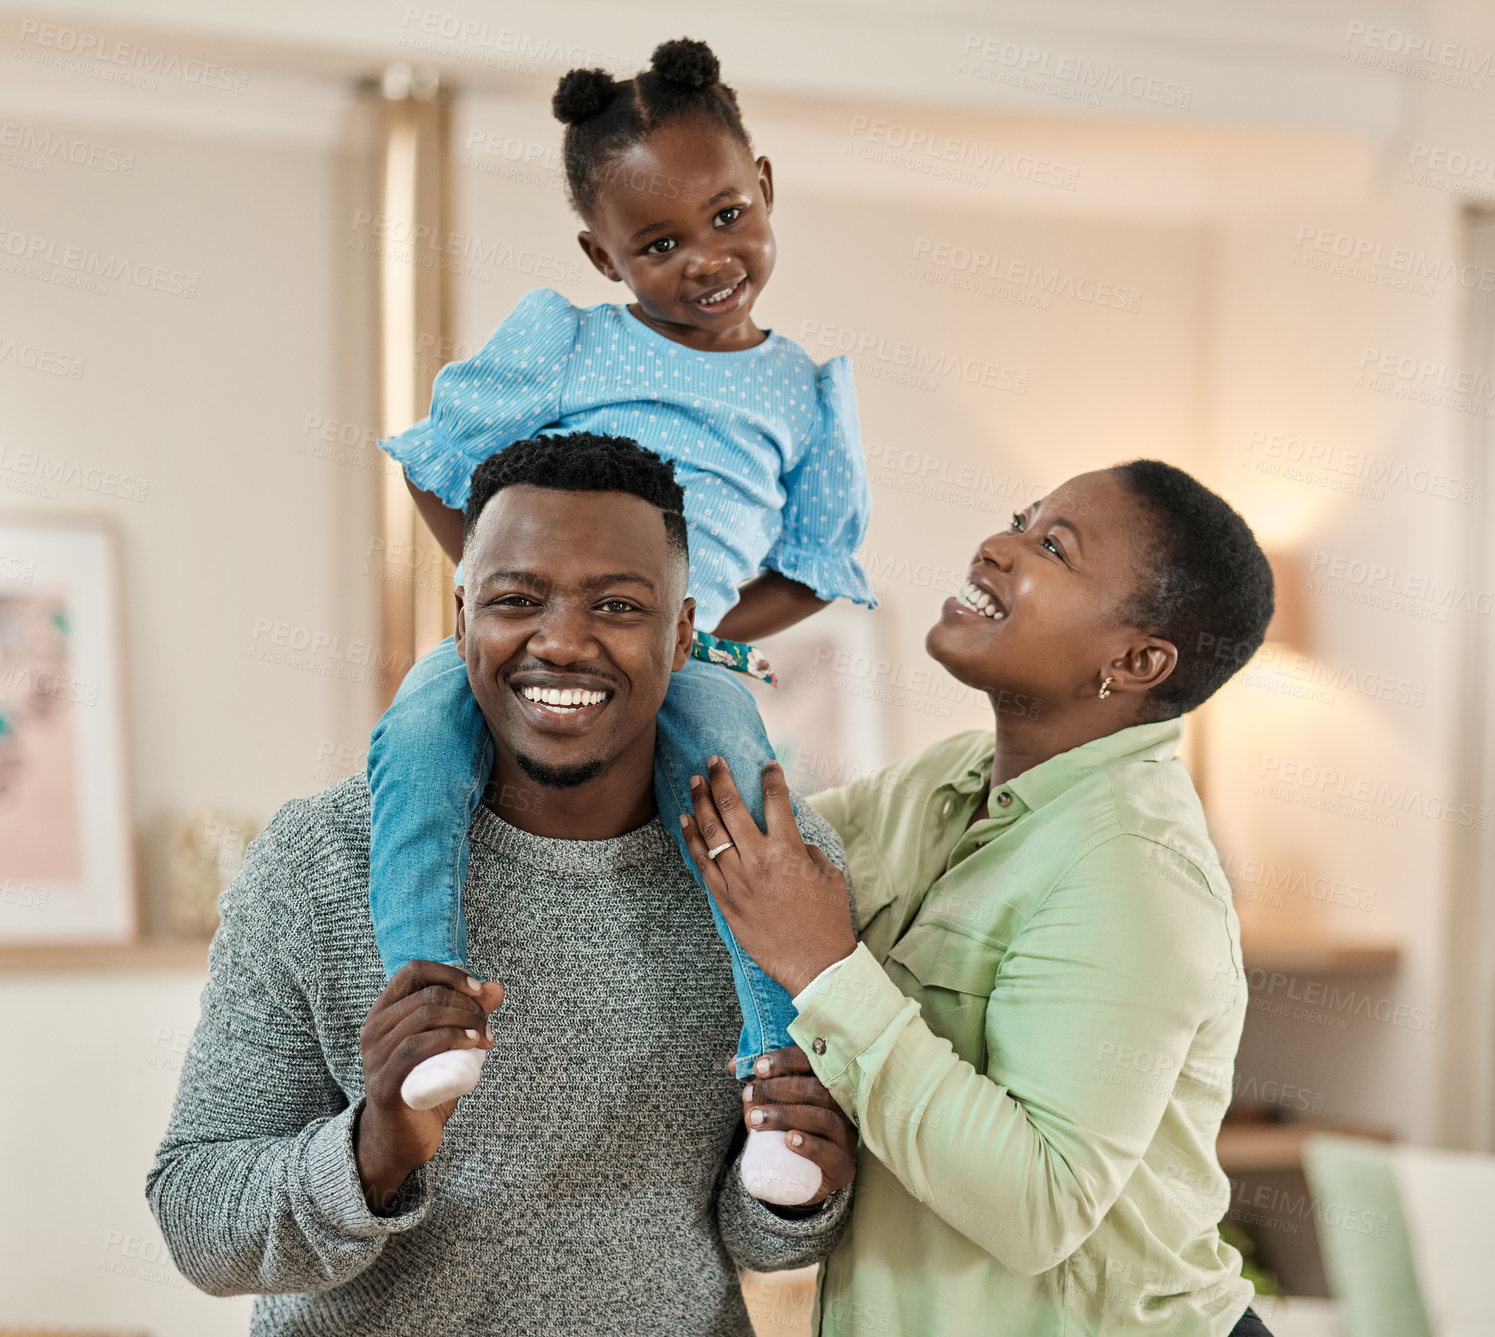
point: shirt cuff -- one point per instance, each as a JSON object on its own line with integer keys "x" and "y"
{"x": 336, "y": 1191}
{"x": 844, "y": 1018}
{"x": 831, "y": 575}
{"x": 803, "y": 996}
{"x": 432, "y": 463}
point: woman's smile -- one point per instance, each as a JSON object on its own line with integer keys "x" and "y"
{"x": 980, "y": 600}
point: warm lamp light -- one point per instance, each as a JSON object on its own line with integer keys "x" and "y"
{"x": 1289, "y": 624}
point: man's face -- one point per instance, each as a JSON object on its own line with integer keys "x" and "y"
{"x": 572, "y": 619}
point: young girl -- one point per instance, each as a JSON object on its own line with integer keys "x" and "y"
{"x": 764, "y": 442}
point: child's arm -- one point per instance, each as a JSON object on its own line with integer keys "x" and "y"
{"x": 444, "y": 522}
{"x": 766, "y": 604}
{"x": 507, "y": 391}
{"x": 824, "y": 519}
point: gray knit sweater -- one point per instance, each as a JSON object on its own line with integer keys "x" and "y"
{"x": 587, "y": 1186}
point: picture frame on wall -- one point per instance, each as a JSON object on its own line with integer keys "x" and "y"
{"x": 66, "y": 860}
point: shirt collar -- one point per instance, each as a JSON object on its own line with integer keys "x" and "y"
{"x": 1047, "y": 780}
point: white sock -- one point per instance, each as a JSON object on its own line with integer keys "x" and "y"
{"x": 443, "y": 1077}
{"x": 773, "y": 1173}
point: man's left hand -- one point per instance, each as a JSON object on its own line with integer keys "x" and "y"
{"x": 784, "y": 900}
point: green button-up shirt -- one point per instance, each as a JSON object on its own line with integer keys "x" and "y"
{"x": 1036, "y": 1039}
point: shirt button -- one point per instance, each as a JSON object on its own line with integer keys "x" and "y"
{"x": 819, "y": 1045}
{"x": 1004, "y": 799}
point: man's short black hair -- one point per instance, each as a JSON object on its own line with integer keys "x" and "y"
{"x": 583, "y": 462}
{"x": 1208, "y": 588}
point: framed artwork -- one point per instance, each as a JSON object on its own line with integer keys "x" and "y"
{"x": 66, "y": 865}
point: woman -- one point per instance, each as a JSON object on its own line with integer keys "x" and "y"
{"x": 1036, "y": 1032}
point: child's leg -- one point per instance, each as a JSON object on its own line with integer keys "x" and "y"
{"x": 709, "y": 712}
{"x": 429, "y": 758}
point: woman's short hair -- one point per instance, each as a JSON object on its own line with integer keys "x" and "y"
{"x": 1205, "y": 584}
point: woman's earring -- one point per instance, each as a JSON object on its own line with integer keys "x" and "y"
{"x": 1105, "y": 688}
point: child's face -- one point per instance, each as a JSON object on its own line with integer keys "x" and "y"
{"x": 682, "y": 219}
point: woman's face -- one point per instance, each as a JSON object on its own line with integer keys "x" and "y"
{"x": 1040, "y": 620}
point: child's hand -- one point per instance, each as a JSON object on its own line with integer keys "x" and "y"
{"x": 785, "y": 901}
{"x": 785, "y": 1094}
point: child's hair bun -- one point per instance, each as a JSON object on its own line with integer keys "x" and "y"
{"x": 581, "y": 94}
{"x": 687, "y": 62}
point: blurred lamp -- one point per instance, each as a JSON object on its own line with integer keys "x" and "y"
{"x": 1289, "y": 624}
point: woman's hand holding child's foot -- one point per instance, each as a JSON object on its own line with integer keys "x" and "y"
{"x": 800, "y": 1146}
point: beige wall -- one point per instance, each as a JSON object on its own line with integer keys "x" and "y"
{"x": 221, "y": 404}
{"x": 204, "y": 401}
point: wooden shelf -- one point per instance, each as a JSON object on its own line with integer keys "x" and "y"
{"x": 1321, "y": 958}
{"x": 142, "y": 954}
{"x": 1244, "y": 1148}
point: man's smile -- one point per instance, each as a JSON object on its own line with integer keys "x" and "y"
{"x": 559, "y": 705}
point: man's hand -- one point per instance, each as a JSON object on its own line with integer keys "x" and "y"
{"x": 784, "y": 900}
{"x": 786, "y": 1095}
{"x": 425, "y": 1009}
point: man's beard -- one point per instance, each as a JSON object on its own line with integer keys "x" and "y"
{"x": 558, "y": 777}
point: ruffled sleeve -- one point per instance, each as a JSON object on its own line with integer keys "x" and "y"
{"x": 507, "y": 391}
{"x": 828, "y": 503}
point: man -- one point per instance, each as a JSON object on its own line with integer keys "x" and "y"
{"x": 589, "y": 1183}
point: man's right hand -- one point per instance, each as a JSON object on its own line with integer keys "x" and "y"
{"x": 425, "y": 1009}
